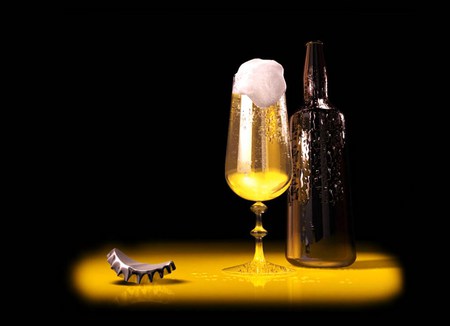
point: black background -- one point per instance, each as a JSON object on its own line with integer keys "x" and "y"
{"x": 148, "y": 99}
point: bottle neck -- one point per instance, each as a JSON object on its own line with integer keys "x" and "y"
{"x": 315, "y": 75}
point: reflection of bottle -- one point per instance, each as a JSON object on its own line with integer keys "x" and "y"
{"x": 320, "y": 228}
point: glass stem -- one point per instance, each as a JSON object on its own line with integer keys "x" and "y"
{"x": 258, "y": 232}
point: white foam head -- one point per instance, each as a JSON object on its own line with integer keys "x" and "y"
{"x": 262, "y": 80}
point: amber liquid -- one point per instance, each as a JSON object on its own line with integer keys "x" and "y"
{"x": 320, "y": 230}
{"x": 264, "y": 185}
{"x": 258, "y": 158}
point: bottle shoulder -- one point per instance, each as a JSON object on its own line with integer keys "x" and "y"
{"x": 311, "y": 113}
{"x": 329, "y": 109}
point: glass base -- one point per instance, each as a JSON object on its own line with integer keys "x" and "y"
{"x": 259, "y": 268}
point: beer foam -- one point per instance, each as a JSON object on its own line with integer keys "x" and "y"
{"x": 262, "y": 80}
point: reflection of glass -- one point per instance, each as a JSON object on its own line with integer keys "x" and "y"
{"x": 258, "y": 166}
{"x": 259, "y": 281}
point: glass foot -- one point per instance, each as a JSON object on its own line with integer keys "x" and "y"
{"x": 259, "y": 268}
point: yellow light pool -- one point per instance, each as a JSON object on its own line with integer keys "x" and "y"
{"x": 376, "y": 277}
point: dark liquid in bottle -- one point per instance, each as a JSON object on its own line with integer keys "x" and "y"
{"x": 320, "y": 230}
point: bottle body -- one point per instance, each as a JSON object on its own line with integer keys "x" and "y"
{"x": 320, "y": 225}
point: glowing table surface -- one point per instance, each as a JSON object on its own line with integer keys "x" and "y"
{"x": 376, "y": 277}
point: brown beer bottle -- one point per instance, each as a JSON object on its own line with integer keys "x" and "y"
{"x": 320, "y": 227}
